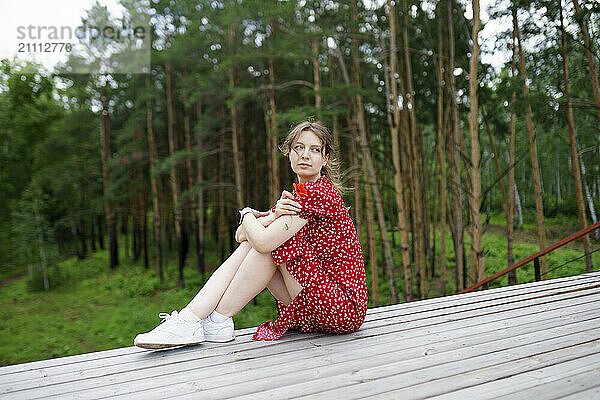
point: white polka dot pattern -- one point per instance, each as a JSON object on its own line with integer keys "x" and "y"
{"x": 326, "y": 259}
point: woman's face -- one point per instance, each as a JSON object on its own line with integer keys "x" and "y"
{"x": 306, "y": 156}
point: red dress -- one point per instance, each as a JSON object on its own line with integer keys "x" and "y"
{"x": 326, "y": 259}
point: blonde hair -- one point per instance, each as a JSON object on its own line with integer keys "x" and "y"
{"x": 332, "y": 169}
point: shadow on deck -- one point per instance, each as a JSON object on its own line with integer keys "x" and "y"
{"x": 533, "y": 341}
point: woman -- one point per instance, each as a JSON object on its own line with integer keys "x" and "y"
{"x": 305, "y": 250}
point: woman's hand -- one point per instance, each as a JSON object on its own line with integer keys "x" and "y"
{"x": 259, "y": 214}
{"x": 286, "y": 205}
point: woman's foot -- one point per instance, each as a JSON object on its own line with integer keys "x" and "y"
{"x": 218, "y": 328}
{"x": 177, "y": 329}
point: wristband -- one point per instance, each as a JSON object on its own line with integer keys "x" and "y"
{"x": 243, "y": 212}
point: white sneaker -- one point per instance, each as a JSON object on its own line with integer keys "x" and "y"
{"x": 178, "y": 329}
{"x": 218, "y": 331}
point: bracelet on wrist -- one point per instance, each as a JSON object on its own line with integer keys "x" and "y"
{"x": 243, "y": 212}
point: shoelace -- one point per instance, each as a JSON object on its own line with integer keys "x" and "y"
{"x": 174, "y": 317}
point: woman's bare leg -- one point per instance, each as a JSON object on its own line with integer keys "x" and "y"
{"x": 278, "y": 288}
{"x": 255, "y": 273}
{"x": 208, "y": 297}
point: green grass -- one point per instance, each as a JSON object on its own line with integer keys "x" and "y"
{"x": 97, "y": 309}
{"x": 90, "y": 308}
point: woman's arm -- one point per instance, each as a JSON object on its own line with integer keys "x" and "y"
{"x": 266, "y": 239}
{"x": 240, "y": 233}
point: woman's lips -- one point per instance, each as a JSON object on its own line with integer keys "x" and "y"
{"x": 304, "y": 165}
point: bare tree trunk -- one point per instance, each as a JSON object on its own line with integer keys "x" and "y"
{"x": 369, "y": 162}
{"x": 372, "y": 245}
{"x": 315, "y": 61}
{"x": 335, "y": 126}
{"x": 351, "y": 116}
{"x": 573, "y": 146}
{"x": 191, "y": 200}
{"x": 588, "y": 53}
{"x": 589, "y": 198}
{"x": 234, "y": 132}
{"x": 535, "y": 170}
{"x": 477, "y": 262}
{"x": 153, "y": 152}
{"x": 510, "y": 209}
{"x": 356, "y": 177}
{"x": 416, "y": 171}
{"x": 92, "y": 234}
{"x": 518, "y": 206}
{"x": 41, "y": 244}
{"x": 394, "y": 120}
{"x": 454, "y": 161}
{"x": 272, "y": 137}
{"x": 175, "y": 185}
{"x": 440, "y": 149}
{"x": 109, "y": 208}
{"x": 200, "y": 197}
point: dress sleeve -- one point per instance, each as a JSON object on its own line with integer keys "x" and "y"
{"x": 316, "y": 203}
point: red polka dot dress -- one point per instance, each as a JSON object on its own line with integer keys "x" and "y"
{"x": 326, "y": 259}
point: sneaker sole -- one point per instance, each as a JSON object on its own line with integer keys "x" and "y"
{"x": 219, "y": 340}
{"x": 164, "y": 345}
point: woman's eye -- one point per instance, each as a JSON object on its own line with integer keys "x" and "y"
{"x": 316, "y": 150}
{"x": 298, "y": 147}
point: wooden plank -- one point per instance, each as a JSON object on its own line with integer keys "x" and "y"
{"x": 504, "y": 387}
{"x": 562, "y": 387}
{"x": 175, "y": 359}
{"x": 465, "y": 372}
{"x": 245, "y": 334}
{"x": 345, "y": 380}
{"x": 588, "y": 394}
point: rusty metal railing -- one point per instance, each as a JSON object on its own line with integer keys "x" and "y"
{"x": 534, "y": 257}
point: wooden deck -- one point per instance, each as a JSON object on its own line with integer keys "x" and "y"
{"x": 533, "y": 341}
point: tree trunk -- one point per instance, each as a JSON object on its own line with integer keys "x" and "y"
{"x": 199, "y": 198}
{"x": 316, "y": 64}
{"x": 100, "y": 233}
{"x": 535, "y": 170}
{"x": 440, "y": 150}
{"x": 273, "y": 137}
{"x": 394, "y": 121}
{"x": 109, "y": 208}
{"x": 369, "y": 161}
{"x": 416, "y": 172}
{"x": 589, "y": 198}
{"x": 234, "y": 132}
{"x": 221, "y": 222}
{"x": 477, "y": 265}
{"x": 192, "y": 198}
{"x": 175, "y": 185}
{"x": 454, "y": 161}
{"x": 518, "y": 206}
{"x": 92, "y": 234}
{"x": 587, "y": 45}
{"x": 510, "y": 209}
{"x": 372, "y": 246}
{"x": 153, "y": 153}
{"x": 573, "y": 146}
